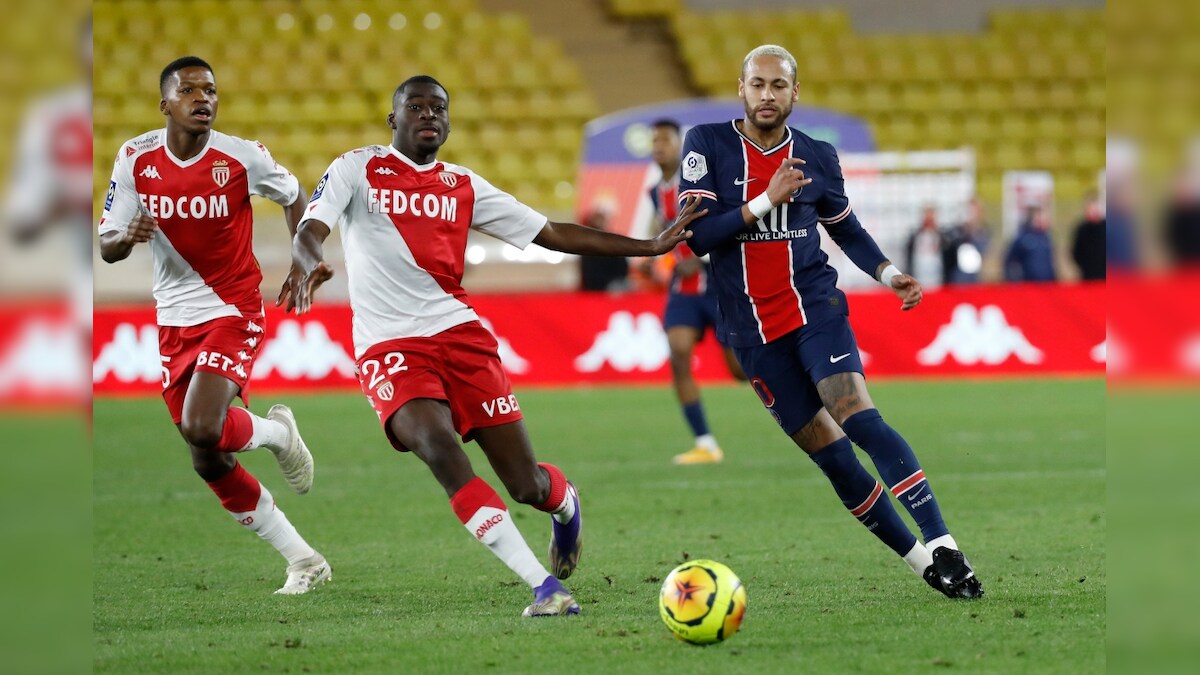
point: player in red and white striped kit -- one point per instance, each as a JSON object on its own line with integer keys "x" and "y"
{"x": 426, "y": 364}
{"x": 185, "y": 191}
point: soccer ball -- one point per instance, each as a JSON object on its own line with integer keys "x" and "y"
{"x": 702, "y": 602}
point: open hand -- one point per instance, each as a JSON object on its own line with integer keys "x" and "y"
{"x": 298, "y": 290}
{"x": 677, "y": 232}
{"x": 907, "y": 289}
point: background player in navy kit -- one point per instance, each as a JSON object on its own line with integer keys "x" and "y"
{"x": 767, "y": 187}
{"x": 691, "y": 301}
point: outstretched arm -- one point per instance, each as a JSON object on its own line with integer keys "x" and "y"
{"x": 572, "y": 238}
{"x": 309, "y": 269}
{"x": 292, "y": 213}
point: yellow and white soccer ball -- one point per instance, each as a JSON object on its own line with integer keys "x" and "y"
{"x": 702, "y": 602}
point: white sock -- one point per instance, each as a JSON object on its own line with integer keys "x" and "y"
{"x": 918, "y": 558}
{"x": 707, "y": 441}
{"x": 494, "y": 528}
{"x": 267, "y": 434}
{"x": 273, "y": 526}
{"x": 944, "y": 540}
{"x": 565, "y": 511}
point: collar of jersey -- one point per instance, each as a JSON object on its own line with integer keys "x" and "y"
{"x": 188, "y": 162}
{"x": 404, "y": 158}
{"x": 786, "y": 138}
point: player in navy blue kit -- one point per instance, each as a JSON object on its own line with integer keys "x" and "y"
{"x": 691, "y": 301}
{"x": 765, "y": 187}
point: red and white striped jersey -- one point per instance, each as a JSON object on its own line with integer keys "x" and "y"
{"x": 204, "y": 265}
{"x": 404, "y": 231}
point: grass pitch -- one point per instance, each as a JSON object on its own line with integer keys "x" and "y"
{"x": 1018, "y": 466}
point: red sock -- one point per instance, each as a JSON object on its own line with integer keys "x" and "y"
{"x": 238, "y": 490}
{"x": 473, "y": 496}
{"x": 558, "y": 489}
{"x": 236, "y": 433}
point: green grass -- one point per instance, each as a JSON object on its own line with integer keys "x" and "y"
{"x": 1019, "y": 468}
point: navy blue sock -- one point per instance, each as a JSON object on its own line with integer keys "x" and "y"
{"x": 863, "y": 495}
{"x": 694, "y": 412}
{"x": 898, "y": 467}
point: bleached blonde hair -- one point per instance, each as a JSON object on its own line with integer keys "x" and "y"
{"x": 770, "y": 50}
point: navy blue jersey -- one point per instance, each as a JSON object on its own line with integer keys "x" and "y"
{"x": 771, "y": 276}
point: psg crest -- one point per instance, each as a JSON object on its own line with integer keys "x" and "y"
{"x": 220, "y": 172}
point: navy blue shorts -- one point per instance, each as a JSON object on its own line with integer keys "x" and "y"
{"x": 784, "y": 372}
{"x": 697, "y": 311}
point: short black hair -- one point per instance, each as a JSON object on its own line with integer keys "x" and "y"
{"x": 666, "y": 123}
{"x": 417, "y": 79}
{"x": 178, "y": 65}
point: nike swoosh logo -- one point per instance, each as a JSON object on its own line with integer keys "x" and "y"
{"x": 835, "y": 359}
{"x": 741, "y": 181}
{"x": 916, "y": 494}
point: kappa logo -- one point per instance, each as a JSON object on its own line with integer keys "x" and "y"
{"x": 385, "y": 391}
{"x": 253, "y": 327}
{"x": 385, "y": 171}
{"x": 626, "y": 344}
{"x": 220, "y": 172}
{"x": 303, "y": 352}
{"x": 131, "y": 356}
{"x": 44, "y": 357}
{"x": 1189, "y": 354}
{"x": 448, "y": 178}
{"x": 509, "y": 358}
{"x": 150, "y": 171}
{"x": 979, "y": 336}
{"x": 695, "y": 166}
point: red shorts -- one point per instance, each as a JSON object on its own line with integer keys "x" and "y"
{"x": 225, "y": 346}
{"x": 459, "y": 365}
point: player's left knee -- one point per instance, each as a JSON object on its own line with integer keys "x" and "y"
{"x": 864, "y": 425}
{"x": 202, "y": 432}
{"x": 527, "y": 491}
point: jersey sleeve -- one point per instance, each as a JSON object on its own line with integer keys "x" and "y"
{"x": 500, "y": 215}
{"x": 331, "y": 197}
{"x": 268, "y": 178}
{"x": 121, "y": 204}
{"x": 834, "y": 205}
{"x": 695, "y": 174}
{"x": 696, "y": 179}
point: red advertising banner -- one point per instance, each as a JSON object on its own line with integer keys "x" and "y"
{"x": 578, "y": 338}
